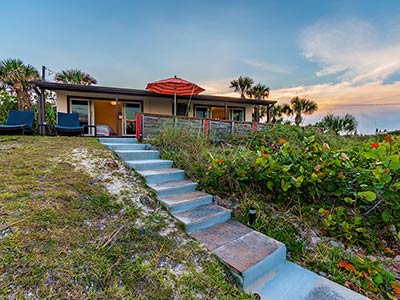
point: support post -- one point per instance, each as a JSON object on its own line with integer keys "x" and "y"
{"x": 269, "y": 106}
{"x": 139, "y": 119}
{"x": 206, "y": 126}
{"x": 41, "y": 106}
{"x": 116, "y": 116}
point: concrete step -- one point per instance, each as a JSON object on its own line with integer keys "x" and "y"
{"x": 137, "y": 154}
{"x": 251, "y": 255}
{"x": 289, "y": 281}
{"x": 246, "y": 252}
{"x": 149, "y": 164}
{"x": 128, "y": 146}
{"x": 174, "y": 187}
{"x": 118, "y": 140}
{"x": 218, "y": 235}
{"x": 162, "y": 175}
{"x": 202, "y": 216}
{"x": 186, "y": 201}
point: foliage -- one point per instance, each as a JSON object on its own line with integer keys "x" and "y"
{"x": 346, "y": 187}
{"x": 242, "y": 85}
{"x": 245, "y": 86}
{"x": 298, "y": 107}
{"x": 7, "y": 102}
{"x": 277, "y": 112}
{"x": 336, "y": 124}
{"x": 259, "y": 91}
{"x": 16, "y": 75}
{"x": 75, "y": 76}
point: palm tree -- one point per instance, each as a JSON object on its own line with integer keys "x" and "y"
{"x": 242, "y": 85}
{"x": 259, "y": 91}
{"x": 15, "y": 75}
{"x": 349, "y": 124}
{"x": 336, "y": 124}
{"x": 75, "y": 76}
{"x": 276, "y": 114}
{"x": 299, "y": 106}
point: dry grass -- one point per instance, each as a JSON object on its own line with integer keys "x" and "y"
{"x": 73, "y": 226}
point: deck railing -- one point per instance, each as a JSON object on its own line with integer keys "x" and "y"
{"x": 148, "y": 125}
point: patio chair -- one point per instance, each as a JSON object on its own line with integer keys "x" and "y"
{"x": 68, "y": 124}
{"x": 18, "y": 122}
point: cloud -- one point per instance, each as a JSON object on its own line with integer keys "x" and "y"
{"x": 374, "y": 104}
{"x": 265, "y": 66}
{"x": 354, "y": 50}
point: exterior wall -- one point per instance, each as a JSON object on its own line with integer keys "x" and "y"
{"x": 163, "y": 106}
{"x": 62, "y": 101}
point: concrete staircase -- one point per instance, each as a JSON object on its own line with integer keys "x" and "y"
{"x": 258, "y": 262}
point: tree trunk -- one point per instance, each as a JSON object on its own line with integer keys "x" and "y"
{"x": 20, "y": 96}
{"x": 298, "y": 119}
{"x": 27, "y": 103}
{"x": 18, "y": 88}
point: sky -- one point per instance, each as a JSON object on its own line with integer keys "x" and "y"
{"x": 344, "y": 55}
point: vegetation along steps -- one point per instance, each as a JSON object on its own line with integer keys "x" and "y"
{"x": 258, "y": 261}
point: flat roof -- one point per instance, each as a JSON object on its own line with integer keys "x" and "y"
{"x": 54, "y": 86}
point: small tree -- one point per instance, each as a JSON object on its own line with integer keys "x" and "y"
{"x": 242, "y": 85}
{"x": 75, "y": 76}
{"x": 16, "y": 76}
{"x": 259, "y": 91}
{"x": 298, "y": 107}
{"x": 337, "y": 124}
{"x": 277, "y": 112}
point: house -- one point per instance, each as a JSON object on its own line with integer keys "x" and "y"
{"x": 116, "y": 108}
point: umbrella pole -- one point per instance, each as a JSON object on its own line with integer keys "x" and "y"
{"x": 175, "y": 102}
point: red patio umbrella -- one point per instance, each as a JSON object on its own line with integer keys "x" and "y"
{"x": 174, "y": 86}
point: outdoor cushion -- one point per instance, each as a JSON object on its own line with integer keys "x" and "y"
{"x": 20, "y": 117}
{"x": 68, "y": 120}
{"x": 18, "y": 122}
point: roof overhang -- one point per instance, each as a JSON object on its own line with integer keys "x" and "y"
{"x": 54, "y": 86}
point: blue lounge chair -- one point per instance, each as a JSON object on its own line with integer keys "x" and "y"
{"x": 18, "y": 122}
{"x": 68, "y": 124}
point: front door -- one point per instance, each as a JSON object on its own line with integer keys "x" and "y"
{"x": 129, "y": 117}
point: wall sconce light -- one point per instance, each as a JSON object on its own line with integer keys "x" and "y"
{"x": 113, "y": 103}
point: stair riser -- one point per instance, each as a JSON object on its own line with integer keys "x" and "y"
{"x": 251, "y": 275}
{"x": 208, "y": 222}
{"x": 127, "y": 147}
{"x": 177, "y": 190}
{"x": 185, "y": 206}
{"x": 118, "y": 140}
{"x": 160, "y": 178}
{"x": 138, "y": 155}
{"x": 150, "y": 166}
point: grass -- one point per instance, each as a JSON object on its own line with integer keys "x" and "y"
{"x": 73, "y": 226}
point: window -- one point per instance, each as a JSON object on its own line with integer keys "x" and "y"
{"x": 218, "y": 113}
{"x": 130, "y": 117}
{"x": 237, "y": 114}
{"x": 182, "y": 109}
{"x": 82, "y": 108}
{"x": 202, "y": 112}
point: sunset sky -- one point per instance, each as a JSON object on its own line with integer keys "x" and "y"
{"x": 345, "y": 55}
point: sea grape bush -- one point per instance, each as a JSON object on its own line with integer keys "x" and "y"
{"x": 354, "y": 188}
{"x": 348, "y": 187}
